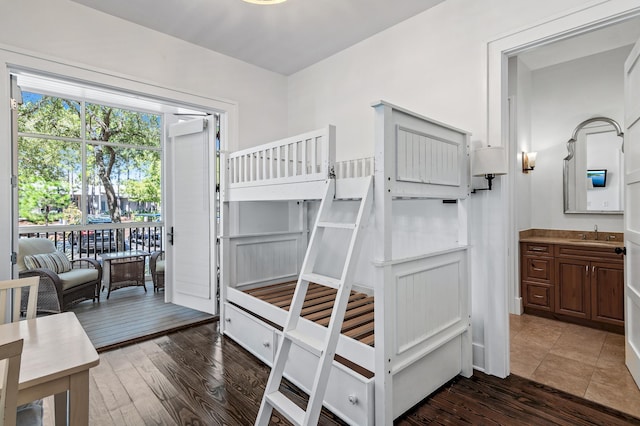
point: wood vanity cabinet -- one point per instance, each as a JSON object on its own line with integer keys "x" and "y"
{"x": 537, "y": 275}
{"x": 590, "y": 283}
{"x": 573, "y": 281}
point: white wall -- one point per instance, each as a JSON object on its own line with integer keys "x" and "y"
{"x": 520, "y": 92}
{"x": 435, "y": 64}
{"x": 73, "y": 33}
{"x": 563, "y": 96}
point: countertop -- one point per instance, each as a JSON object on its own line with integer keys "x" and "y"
{"x": 575, "y": 238}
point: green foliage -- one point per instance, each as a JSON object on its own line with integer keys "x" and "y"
{"x": 42, "y": 201}
{"x": 146, "y": 190}
{"x": 114, "y": 163}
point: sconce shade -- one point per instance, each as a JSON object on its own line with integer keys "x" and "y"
{"x": 490, "y": 160}
{"x": 528, "y": 161}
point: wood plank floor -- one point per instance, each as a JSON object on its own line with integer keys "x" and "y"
{"x": 130, "y": 315}
{"x": 196, "y": 377}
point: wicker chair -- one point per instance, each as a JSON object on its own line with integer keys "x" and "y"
{"x": 59, "y": 291}
{"x": 156, "y": 265}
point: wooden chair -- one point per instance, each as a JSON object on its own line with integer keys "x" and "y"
{"x": 31, "y": 284}
{"x": 31, "y": 413}
{"x": 10, "y": 357}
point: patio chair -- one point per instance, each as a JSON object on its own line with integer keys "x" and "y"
{"x": 63, "y": 283}
{"x": 156, "y": 265}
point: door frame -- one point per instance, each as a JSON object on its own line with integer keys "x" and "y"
{"x": 15, "y": 59}
{"x": 591, "y": 16}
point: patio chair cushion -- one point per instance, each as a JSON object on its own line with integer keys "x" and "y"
{"x": 31, "y": 246}
{"x": 56, "y": 261}
{"x": 160, "y": 266}
{"x": 77, "y": 277}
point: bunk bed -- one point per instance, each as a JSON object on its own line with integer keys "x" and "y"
{"x": 407, "y": 329}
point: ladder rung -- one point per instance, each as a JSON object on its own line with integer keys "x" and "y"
{"x": 339, "y": 225}
{"x": 307, "y": 343}
{"x": 286, "y": 407}
{"x": 322, "y": 280}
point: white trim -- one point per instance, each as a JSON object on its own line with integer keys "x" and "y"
{"x": 591, "y": 16}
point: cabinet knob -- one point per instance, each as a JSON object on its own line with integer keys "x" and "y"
{"x": 621, "y": 250}
{"x": 227, "y": 319}
{"x": 353, "y": 399}
{"x": 266, "y": 344}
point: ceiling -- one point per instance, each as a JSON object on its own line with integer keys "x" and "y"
{"x": 284, "y": 38}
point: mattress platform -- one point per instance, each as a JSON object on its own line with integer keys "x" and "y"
{"x": 358, "y": 320}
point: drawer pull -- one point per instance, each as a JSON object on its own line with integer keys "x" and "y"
{"x": 353, "y": 399}
{"x": 537, "y": 296}
{"x": 538, "y": 248}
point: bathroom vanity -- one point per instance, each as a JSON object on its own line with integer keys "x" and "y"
{"x": 574, "y": 276}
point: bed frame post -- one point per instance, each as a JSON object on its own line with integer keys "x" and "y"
{"x": 384, "y": 304}
{"x": 224, "y": 239}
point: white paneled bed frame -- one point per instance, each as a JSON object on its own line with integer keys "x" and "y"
{"x": 412, "y": 274}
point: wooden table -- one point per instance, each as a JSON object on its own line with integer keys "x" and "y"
{"x": 56, "y": 359}
{"x": 123, "y": 269}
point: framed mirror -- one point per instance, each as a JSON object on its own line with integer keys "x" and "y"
{"x": 593, "y": 168}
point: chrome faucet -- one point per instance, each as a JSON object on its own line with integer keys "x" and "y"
{"x": 595, "y": 228}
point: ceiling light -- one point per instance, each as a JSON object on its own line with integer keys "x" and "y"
{"x": 265, "y": 2}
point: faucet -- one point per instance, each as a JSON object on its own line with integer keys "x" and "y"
{"x": 595, "y": 228}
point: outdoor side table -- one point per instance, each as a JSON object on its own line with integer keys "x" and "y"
{"x": 124, "y": 269}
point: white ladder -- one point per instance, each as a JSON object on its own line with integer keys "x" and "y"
{"x": 324, "y": 349}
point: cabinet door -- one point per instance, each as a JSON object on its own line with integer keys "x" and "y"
{"x": 573, "y": 290}
{"x": 607, "y": 292}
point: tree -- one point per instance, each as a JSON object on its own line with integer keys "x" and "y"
{"x": 112, "y": 137}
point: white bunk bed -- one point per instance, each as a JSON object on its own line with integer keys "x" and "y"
{"x": 412, "y": 273}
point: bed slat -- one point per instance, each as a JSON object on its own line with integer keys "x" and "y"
{"x": 358, "y": 321}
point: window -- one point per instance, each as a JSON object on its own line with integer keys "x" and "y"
{"x": 81, "y": 162}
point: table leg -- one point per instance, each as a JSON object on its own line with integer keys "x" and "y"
{"x": 60, "y": 408}
{"x": 79, "y": 399}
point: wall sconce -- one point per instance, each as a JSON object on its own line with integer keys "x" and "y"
{"x": 489, "y": 162}
{"x": 528, "y": 161}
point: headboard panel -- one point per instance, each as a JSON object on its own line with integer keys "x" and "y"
{"x": 420, "y": 157}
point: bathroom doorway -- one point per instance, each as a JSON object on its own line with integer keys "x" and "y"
{"x": 550, "y": 88}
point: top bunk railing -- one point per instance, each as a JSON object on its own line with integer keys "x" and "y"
{"x": 302, "y": 158}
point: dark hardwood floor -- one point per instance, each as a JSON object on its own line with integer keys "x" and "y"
{"x": 131, "y": 315}
{"x": 196, "y": 377}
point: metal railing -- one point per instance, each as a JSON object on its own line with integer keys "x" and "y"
{"x": 93, "y": 240}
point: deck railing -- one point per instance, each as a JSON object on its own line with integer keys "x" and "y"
{"x": 93, "y": 240}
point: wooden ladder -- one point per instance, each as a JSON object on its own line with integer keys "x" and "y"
{"x": 324, "y": 348}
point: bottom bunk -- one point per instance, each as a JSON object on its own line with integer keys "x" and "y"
{"x": 425, "y": 332}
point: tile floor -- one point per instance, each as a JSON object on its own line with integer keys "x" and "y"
{"x": 578, "y": 360}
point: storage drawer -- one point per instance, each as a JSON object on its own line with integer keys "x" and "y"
{"x": 538, "y": 249}
{"x": 537, "y": 268}
{"x": 589, "y": 253}
{"x": 349, "y": 394}
{"x": 254, "y": 335}
{"x": 538, "y": 296}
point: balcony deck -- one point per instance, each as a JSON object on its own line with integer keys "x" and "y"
{"x": 131, "y": 315}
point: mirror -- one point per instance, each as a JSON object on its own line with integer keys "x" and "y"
{"x": 593, "y": 169}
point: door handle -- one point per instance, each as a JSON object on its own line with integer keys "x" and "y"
{"x": 621, "y": 250}
{"x": 170, "y": 235}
